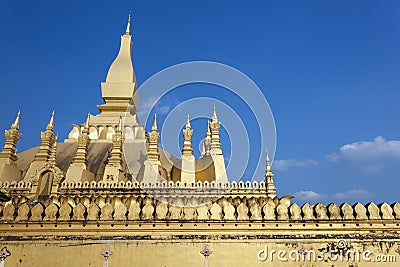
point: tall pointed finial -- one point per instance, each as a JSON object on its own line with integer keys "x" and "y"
{"x": 50, "y": 125}
{"x": 188, "y": 122}
{"x": 154, "y": 127}
{"x": 152, "y": 150}
{"x": 268, "y": 163}
{"x": 187, "y": 149}
{"x": 87, "y": 121}
{"x": 15, "y": 125}
{"x": 269, "y": 177}
{"x": 128, "y": 26}
{"x": 208, "y": 129}
{"x": 214, "y": 115}
{"x": 207, "y": 140}
{"x": 119, "y": 128}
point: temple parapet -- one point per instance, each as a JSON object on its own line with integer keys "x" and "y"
{"x": 186, "y": 208}
{"x": 158, "y": 189}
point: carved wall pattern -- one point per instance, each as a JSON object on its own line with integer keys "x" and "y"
{"x": 135, "y": 208}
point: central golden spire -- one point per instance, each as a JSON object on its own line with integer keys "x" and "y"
{"x": 119, "y": 89}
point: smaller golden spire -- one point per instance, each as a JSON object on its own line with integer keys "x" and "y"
{"x": 152, "y": 150}
{"x": 268, "y": 163}
{"x": 87, "y": 121}
{"x": 269, "y": 177}
{"x": 8, "y": 153}
{"x": 207, "y": 140}
{"x": 50, "y": 125}
{"x": 128, "y": 26}
{"x": 15, "y": 125}
{"x": 214, "y": 116}
{"x": 52, "y": 157}
{"x": 86, "y": 125}
{"x": 154, "y": 127}
{"x": 187, "y": 149}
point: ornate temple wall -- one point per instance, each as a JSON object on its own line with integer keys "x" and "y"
{"x": 239, "y": 231}
{"x": 181, "y": 243}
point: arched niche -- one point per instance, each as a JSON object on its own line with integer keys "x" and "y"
{"x": 128, "y": 133}
{"x": 102, "y": 132}
{"x": 74, "y": 133}
{"x": 140, "y": 133}
{"x": 45, "y": 183}
{"x": 93, "y": 133}
{"x": 110, "y": 132}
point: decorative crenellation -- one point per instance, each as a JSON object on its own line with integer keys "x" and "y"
{"x": 157, "y": 185}
{"x": 227, "y": 208}
{"x": 21, "y": 185}
{"x": 104, "y": 132}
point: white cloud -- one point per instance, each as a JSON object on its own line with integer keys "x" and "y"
{"x": 284, "y": 164}
{"x": 159, "y": 108}
{"x": 367, "y": 156}
{"x": 351, "y": 195}
{"x": 309, "y": 196}
{"x": 355, "y": 194}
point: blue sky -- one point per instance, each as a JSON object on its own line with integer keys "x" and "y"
{"x": 329, "y": 70}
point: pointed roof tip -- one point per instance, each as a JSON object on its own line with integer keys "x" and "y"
{"x": 214, "y": 115}
{"x": 87, "y": 120}
{"x": 50, "y": 125}
{"x": 268, "y": 163}
{"x": 154, "y": 127}
{"x": 188, "y": 122}
{"x": 15, "y": 124}
{"x": 128, "y": 26}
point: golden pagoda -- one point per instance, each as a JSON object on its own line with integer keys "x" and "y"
{"x": 109, "y": 195}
